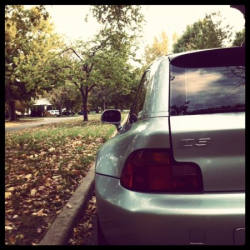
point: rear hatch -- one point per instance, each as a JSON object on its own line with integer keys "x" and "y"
{"x": 207, "y": 115}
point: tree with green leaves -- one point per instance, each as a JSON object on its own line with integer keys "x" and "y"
{"x": 118, "y": 88}
{"x": 103, "y": 61}
{"x": 239, "y": 38}
{"x": 204, "y": 34}
{"x": 29, "y": 42}
{"x": 96, "y": 64}
{"x": 122, "y": 25}
{"x": 158, "y": 48}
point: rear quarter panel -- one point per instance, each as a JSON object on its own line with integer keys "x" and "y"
{"x": 148, "y": 133}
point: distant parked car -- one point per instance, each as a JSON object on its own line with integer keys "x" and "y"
{"x": 175, "y": 172}
{"x": 54, "y": 112}
{"x": 68, "y": 112}
{"x": 82, "y": 112}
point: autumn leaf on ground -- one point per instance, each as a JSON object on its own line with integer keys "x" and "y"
{"x": 68, "y": 206}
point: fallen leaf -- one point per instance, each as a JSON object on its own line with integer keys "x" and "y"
{"x": 8, "y": 195}
{"x": 68, "y": 206}
{"x": 12, "y": 239}
{"x": 21, "y": 236}
{"x": 41, "y": 188}
{"x": 33, "y": 192}
{"x": 28, "y": 176}
{"x": 40, "y": 212}
{"x": 11, "y": 189}
{"x": 8, "y": 228}
{"x": 52, "y": 149}
{"x": 9, "y": 211}
{"x": 56, "y": 177}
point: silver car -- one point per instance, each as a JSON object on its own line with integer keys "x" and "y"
{"x": 175, "y": 172}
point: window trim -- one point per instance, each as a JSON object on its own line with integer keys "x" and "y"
{"x": 147, "y": 71}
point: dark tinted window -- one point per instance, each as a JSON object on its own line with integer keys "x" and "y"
{"x": 208, "y": 89}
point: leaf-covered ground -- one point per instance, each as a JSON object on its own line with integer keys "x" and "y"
{"x": 43, "y": 168}
{"x": 85, "y": 231}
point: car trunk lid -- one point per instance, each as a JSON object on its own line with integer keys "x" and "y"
{"x": 207, "y": 118}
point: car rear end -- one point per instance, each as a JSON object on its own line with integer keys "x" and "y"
{"x": 179, "y": 179}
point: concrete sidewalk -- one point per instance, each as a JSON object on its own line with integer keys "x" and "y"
{"x": 60, "y": 230}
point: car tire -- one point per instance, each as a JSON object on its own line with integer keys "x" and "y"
{"x": 100, "y": 236}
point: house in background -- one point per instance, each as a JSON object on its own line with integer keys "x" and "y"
{"x": 40, "y": 106}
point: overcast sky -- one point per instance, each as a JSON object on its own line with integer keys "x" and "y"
{"x": 69, "y": 19}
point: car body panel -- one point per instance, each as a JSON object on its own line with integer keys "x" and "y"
{"x": 132, "y": 218}
{"x": 222, "y": 160}
{"x": 148, "y": 133}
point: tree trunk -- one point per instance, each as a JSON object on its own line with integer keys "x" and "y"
{"x": 60, "y": 109}
{"x": 116, "y": 105}
{"x": 12, "y": 111}
{"x": 84, "y": 102}
{"x": 103, "y": 105}
{"x": 85, "y": 108}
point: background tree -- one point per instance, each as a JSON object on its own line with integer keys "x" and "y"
{"x": 122, "y": 25}
{"x": 239, "y": 38}
{"x": 158, "y": 48}
{"x": 65, "y": 96}
{"x": 175, "y": 37}
{"x": 96, "y": 64}
{"x": 101, "y": 61}
{"x": 204, "y": 34}
{"x": 117, "y": 91}
{"x": 29, "y": 41}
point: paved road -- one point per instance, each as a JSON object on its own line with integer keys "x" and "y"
{"x": 37, "y": 123}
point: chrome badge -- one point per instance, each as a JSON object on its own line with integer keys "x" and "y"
{"x": 186, "y": 143}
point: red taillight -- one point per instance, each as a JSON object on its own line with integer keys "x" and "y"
{"x": 153, "y": 170}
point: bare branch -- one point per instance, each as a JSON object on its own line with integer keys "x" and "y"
{"x": 96, "y": 49}
{"x": 92, "y": 87}
{"x": 72, "y": 50}
{"x": 91, "y": 67}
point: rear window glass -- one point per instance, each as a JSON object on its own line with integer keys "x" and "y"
{"x": 208, "y": 89}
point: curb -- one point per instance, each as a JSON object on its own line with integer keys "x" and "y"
{"x": 61, "y": 228}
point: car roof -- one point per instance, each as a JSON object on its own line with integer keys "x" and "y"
{"x": 218, "y": 50}
{"x": 171, "y": 57}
